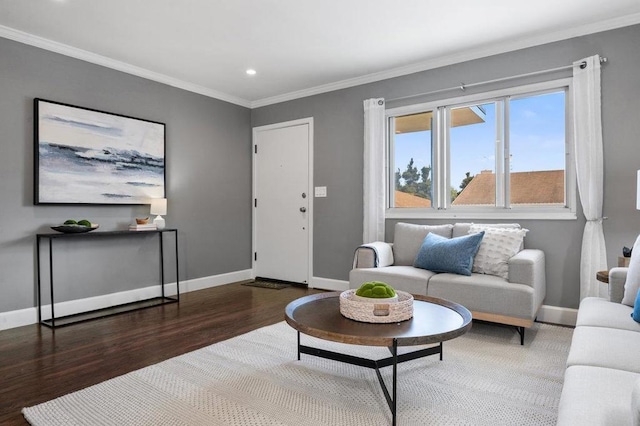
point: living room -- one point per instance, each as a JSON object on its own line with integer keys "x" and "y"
{"x": 209, "y": 157}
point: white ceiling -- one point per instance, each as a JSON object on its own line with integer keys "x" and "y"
{"x": 298, "y": 47}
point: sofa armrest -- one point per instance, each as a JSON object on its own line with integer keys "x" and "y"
{"x": 373, "y": 255}
{"x": 528, "y": 267}
{"x": 617, "y": 278}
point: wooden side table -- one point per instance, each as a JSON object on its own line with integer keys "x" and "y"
{"x": 603, "y": 276}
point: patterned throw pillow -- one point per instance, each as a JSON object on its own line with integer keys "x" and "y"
{"x": 497, "y": 247}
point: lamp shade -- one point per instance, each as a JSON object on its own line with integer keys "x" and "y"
{"x": 158, "y": 206}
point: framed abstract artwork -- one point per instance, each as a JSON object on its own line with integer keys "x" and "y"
{"x": 85, "y": 156}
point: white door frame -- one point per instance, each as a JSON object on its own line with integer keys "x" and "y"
{"x": 310, "y": 192}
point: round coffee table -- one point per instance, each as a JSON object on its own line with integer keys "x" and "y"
{"x": 434, "y": 321}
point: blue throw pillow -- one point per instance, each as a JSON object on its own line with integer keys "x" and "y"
{"x": 636, "y": 308}
{"x": 455, "y": 255}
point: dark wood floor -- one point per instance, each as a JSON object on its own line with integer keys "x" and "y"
{"x": 38, "y": 364}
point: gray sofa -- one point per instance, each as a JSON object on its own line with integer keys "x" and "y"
{"x": 514, "y": 301}
{"x": 602, "y": 379}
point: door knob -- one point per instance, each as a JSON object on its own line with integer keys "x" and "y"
{"x": 303, "y": 209}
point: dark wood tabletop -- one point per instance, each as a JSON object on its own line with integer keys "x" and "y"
{"x": 434, "y": 320}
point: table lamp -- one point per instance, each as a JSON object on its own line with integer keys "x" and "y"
{"x": 158, "y": 207}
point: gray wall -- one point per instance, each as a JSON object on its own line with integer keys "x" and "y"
{"x": 208, "y": 181}
{"x": 209, "y": 163}
{"x": 338, "y": 149}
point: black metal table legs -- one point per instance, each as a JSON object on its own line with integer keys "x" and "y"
{"x": 392, "y": 361}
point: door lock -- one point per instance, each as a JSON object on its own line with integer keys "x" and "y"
{"x": 303, "y": 209}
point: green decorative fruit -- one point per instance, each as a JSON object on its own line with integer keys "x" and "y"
{"x": 84, "y": 222}
{"x": 70, "y": 222}
{"x": 376, "y": 290}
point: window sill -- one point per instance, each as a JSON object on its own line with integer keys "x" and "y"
{"x": 543, "y": 214}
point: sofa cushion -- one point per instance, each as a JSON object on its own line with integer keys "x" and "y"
{"x": 598, "y": 312}
{"x": 485, "y": 293}
{"x": 632, "y": 284}
{"x": 455, "y": 255}
{"x": 403, "y": 278}
{"x": 596, "y": 396}
{"x": 605, "y": 347}
{"x": 408, "y": 238}
{"x": 497, "y": 247}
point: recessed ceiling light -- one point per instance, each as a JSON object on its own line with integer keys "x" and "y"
{"x": 251, "y": 71}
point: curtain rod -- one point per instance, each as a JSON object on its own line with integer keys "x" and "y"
{"x": 463, "y": 86}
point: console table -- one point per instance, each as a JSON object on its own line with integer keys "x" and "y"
{"x": 100, "y": 313}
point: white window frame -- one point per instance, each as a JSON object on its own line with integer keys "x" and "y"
{"x": 440, "y": 156}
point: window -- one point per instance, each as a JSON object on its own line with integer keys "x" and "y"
{"x": 504, "y": 153}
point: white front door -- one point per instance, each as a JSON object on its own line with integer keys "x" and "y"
{"x": 282, "y": 201}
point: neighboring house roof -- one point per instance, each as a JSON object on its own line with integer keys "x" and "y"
{"x": 543, "y": 187}
{"x": 403, "y": 199}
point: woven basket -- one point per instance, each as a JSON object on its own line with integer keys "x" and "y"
{"x": 365, "y": 311}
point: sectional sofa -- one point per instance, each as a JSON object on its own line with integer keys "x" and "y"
{"x": 513, "y": 298}
{"x": 602, "y": 379}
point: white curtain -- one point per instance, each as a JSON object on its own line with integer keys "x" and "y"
{"x": 374, "y": 167}
{"x": 587, "y": 133}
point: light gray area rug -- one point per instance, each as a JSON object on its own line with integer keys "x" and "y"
{"x": 486, "y": 378}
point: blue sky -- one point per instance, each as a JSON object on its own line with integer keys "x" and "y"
{"x": 537, "y": 140}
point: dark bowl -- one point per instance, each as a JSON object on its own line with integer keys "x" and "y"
{"x": 74, "y": 229}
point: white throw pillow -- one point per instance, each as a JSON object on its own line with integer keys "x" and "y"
{"x": 632, "y": 284}
{"x": 462, "y": 228}
{"x": 497, "y": 247}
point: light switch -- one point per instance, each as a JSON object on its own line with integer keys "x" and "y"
{"x": 321, "y": 191}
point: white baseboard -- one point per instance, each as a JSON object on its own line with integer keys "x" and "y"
{"x": 558, "y": 315}
{"x": 18, "y": 318}
{"x": 21, "y": 317}
{"x": 77, "y": 306}
{"x": 329, "y": 284}
{"x": 213, "y": 281}
{"x": 29, "y": 316}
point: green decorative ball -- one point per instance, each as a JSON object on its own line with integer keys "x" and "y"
{"x": 376, "y": 290}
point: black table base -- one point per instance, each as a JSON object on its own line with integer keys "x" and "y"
{"x": 392, "y": 361}
{"x": 60, "y": 321}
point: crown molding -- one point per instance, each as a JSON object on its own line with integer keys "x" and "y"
{"x": 516, "y": 44}
{"x": 456, "y": 58}
{"x": 63, "y": 49}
